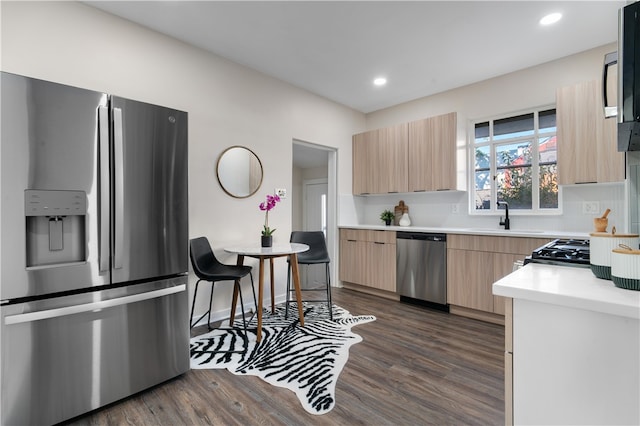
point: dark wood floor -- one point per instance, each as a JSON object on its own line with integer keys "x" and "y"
{"x": 415, "y": 366}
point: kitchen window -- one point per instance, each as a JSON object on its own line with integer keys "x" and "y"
{"x": 515, "y": 160}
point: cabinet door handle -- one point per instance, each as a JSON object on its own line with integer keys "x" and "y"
{"x": 378, "y": 242}
{"x": 609, "y": 60}
{"x": 582, "y": 183}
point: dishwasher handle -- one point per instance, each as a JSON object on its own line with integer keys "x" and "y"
{"x": 421, "y": 236}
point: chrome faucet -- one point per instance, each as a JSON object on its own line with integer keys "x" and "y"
{"x": 504, "y": 222}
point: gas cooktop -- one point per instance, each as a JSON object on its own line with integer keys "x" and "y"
{"x": 570, "y": 252}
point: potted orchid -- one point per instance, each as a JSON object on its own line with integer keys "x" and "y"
{"x": 266, "y": 207}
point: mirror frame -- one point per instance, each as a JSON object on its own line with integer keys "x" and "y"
{"x": 251, "y": 190}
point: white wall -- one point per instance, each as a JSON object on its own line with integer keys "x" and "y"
{"x": 521, "y": 90}
{"x": 71, "y": 43}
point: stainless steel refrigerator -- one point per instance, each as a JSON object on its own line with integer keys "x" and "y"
{"x": 94, "y": 249}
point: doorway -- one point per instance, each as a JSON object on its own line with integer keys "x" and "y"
{"x": 314, "y": 208}
{"x": 314, "y": 201}
{"x": 314, "y": 214}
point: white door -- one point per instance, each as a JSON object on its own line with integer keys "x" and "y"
{"x": 314, "y": 219}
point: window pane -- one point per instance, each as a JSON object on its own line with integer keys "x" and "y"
{"x": 482, "y": 132}
{"x": 512, "y": 127}
{"x": 513, "y": 154}
{"x": 483, "y": 178}
{"x": 547, "y": 121}
{"x": 547, "y": 150}
{"x": 549, "y": 186}
{"x": 514, "y": 186}
{"x": 483, "y": 190}
{"x": 482, "y": 158}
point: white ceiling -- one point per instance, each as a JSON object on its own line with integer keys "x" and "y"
{"x": 336, "y": 48}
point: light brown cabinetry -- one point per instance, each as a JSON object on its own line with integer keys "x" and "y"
{"x": 474, "y": 263}
{"x": 432, "y": 153}
{"x": 469, "y": 275}
{"x": 380, "y": 161}
{"x": 587, "y": 144}
{"x": 368, "y": 259}
{"x": 410, "y": 157}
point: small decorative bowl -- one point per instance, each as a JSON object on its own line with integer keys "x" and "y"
{"x": 600, "y": 223}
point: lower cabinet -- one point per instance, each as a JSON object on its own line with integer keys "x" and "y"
{"x": 469, "y": 279}
{"x": 368, "y": 258}
{"x": 474, "y": 263}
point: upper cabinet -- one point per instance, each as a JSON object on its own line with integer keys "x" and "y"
{"x": 587, "y": 144}
{"x": 432, "y": 153}
{"x": 409, "y": 157}
{"x": 379, "y": 161}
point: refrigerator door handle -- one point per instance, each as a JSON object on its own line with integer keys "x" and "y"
{"x": 87, "y": 307}
{"x": 103, "y": 128}
{"x": 118, "y": 152}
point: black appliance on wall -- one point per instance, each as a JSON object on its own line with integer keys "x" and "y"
{"x": 629, "y": 78}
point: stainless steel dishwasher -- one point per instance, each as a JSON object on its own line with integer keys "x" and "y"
{"x": 421, "y": 268}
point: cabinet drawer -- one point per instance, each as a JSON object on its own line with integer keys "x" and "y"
{"x": 375, "y": 236}
{"x": 387, "y": 237}
{"x": 353, "y": 234}
{"x": 515, "y": 245}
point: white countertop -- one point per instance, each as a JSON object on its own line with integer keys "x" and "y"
{"x": 571, "y": 287}
{"x": 500, "y": 232}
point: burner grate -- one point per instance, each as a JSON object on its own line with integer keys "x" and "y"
{"x": 563, "y": 250}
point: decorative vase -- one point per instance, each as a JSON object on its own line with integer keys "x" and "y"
{"x": 404, "y": 220}
{"x": 267, "y": 240}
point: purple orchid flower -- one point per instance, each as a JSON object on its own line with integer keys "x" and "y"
{"x": 267, "y": 206}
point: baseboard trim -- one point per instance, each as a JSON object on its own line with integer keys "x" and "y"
{"x": 476, "y": 314}
{"x": 370, "y": 290}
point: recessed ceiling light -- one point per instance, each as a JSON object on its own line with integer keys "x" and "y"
{"x": 380, "y": 81}
{"x": 551, "y": 18}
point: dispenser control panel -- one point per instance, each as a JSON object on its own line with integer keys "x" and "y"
{"x": 54, "y": 203}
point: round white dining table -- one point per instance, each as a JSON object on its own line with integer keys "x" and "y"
{"x": 261, "y": 253}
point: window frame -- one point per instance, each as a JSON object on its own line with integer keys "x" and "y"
{"x": 492, "y": 144}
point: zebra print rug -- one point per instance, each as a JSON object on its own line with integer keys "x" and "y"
{"x": 306, "y": 360}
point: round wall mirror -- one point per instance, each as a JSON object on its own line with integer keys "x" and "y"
{"x": 239, "y": 171}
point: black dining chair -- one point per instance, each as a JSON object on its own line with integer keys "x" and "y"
{"x": 207, "y": 268}
{"x": 316, "y": 255}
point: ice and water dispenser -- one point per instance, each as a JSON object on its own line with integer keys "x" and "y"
{"x": 55, "y": 223}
